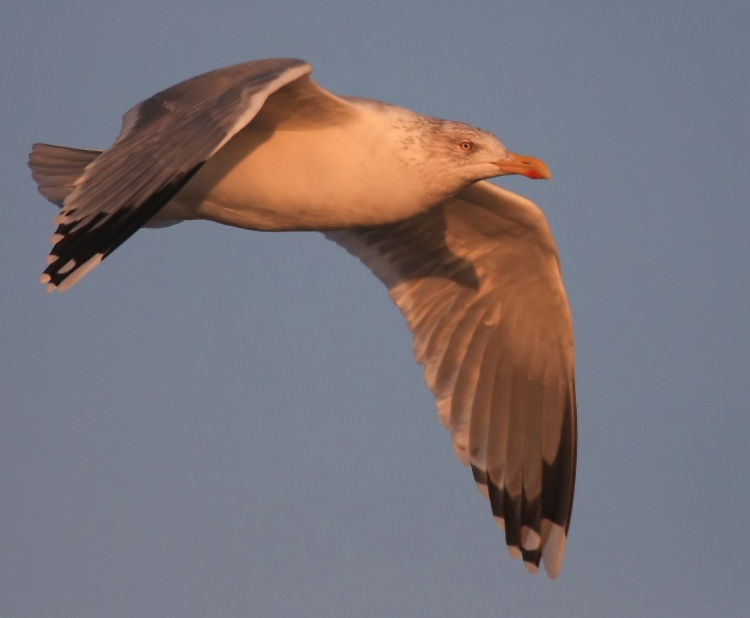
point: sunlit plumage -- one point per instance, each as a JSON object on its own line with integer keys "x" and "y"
{"x": 472, "y": 267}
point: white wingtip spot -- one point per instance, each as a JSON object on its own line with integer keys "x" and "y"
{"x": 531, "y": 567}
{"x": 46, "y": 279}
{"x": 515, "y": 552}
{"x": 552, "y": 553}
{"x": 530, "y": 540}
{"x": 55, "y": 238}
{"x": 51, "y": 258}
{"x": 500, "y": 522}
{"x": 68, "y": 267}
{"x": 82, "y": 271}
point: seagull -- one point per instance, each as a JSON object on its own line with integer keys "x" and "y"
{"x": 472, "y": 267}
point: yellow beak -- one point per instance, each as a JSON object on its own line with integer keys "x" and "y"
{"x": 525, "y": 166}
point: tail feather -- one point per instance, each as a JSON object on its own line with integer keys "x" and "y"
{"x": 57, "y": 168}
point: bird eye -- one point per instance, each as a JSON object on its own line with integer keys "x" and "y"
{"x": 466, "y": 145}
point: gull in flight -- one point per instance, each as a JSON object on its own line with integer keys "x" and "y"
{"x": 472, "y": 267}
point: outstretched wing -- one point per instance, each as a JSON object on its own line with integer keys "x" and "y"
{"x": 478, "y": 281}
{"x": 56, "y": 169}
{"x": 163, "y": 142}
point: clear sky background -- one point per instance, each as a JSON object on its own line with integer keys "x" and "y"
{"x": 224, "y": 423}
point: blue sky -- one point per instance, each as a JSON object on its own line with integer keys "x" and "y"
{"x": 218, "y": 422}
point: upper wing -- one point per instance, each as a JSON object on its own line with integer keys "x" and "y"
{"x": 163, "y": 142}
{"x": 56, "y": 169}
{"x": 479, "y": 284}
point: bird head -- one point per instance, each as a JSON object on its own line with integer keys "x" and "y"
{"x": 478, "y": 154}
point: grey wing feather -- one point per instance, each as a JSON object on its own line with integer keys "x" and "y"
{"x": 479, "y": 284}
{"x": 163, "y": 142}
{"x": 57, "y": 168}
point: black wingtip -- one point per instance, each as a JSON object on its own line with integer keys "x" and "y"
{"x": 81, "y": 246}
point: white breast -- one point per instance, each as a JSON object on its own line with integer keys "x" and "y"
{"x": 323, "y": 178}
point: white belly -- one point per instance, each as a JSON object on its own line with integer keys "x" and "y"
{"x": 334, "y": 177}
